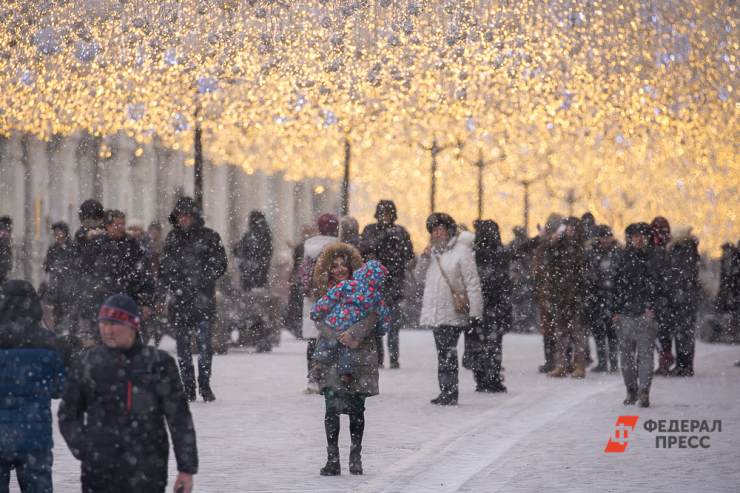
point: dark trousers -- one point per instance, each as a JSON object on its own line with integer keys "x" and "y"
{"x": 445, "y": 339}
{"x": 340, "y": 402}
{"x": 184, "y": 336}
{"x": 665, "y": 322}
{"x": 115, "y": 478}
{"x": 32, "y": 469}
{"x": 685, "y": 332}
{"x": 393, "y": 337}
{"x": 310, "y": 349}
{"x": 607, "y": 343}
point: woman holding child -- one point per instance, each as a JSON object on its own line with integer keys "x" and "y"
{"x": 345, "y": 389}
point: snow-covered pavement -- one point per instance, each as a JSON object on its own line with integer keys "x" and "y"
{"x": 545, "y": 435}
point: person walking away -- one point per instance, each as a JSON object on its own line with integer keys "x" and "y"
{"x": 601, "y": 255}
{"x": 193, "y": 259}
{"x": 121, "y": 400}
{"x": 32, "y": 372}
{"x": 390, "y": 244}
{"x": 635, "y": 296}
{"x": 493, "y": 261}
{"x": 452, "y": 300}
{"x": 660, "y": 237}
{"x": 685, "y": 291}
{"x": 343, "y": 395}
{"x": 254, "y": 252}
{"x": 328, "y": 226}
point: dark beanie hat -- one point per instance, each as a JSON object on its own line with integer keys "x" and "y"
{"x": 638, "y": 229}
{"x": 121, "y": 309}
{"x": 386, "y": 206}
{"x": 91, "y": 209}
{"x": 328, "y": 224}
{"x": 19, "y": 301}
{"x": 441, "y": 219}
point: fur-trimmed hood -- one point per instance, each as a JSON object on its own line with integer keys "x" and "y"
{"x": 320, "y": 284}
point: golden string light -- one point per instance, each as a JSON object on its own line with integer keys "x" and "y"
{"x": 632, "y": 104}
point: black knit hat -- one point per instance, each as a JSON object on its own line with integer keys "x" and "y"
{"x": 121, "y": 309}
{"x": 91, "y": 209}
{"x": 184, "y": 206}
{"x": 19, "y": 301}
{"x": 638, "y": 229}
{"x": 441, "y": 219}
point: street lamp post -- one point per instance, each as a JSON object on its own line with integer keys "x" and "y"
{"x": 198, "y": 162}
{"x": 434, "y": 150}
{"x": 344, "y": 206}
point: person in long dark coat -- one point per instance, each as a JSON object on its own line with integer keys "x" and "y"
{"x": 391, "y": 244}
{"x": 254, "y": 252}
{"x": 193, "y": 259}
{"x": 493, "y": 260}
{"x": 685, "y": 292}
{"x": 59, "y": 266}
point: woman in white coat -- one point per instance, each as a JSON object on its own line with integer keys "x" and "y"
{"x": 328, "y": 230}
{"x": 448, "y": 266}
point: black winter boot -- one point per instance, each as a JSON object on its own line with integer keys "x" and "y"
{"x": 207, "y": 393}
{"x": 332, "y": 467}
{"x": 355, "y": 459}
{"x": 631, "y": 397}
{"x": 445, "y": 400}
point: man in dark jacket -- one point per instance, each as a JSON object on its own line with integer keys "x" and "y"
{"x": 601, "y": 261}
{"x": 6, "y": 247}
{"x": 88, "y": 242}
{"x": 660, "y": 237}
{"x": 122, "y": 264}
{"x": 193, "y": 259}
{"x": 635, "y": 296}
{"x": 59, "y": 266}
{"x": 493, "y": 261}
{"x": 254, "y": 252}
{"x": 31, "y": 374}
{"x": 115, "y": 405}
{"x": 390, "y": 244}
{"x": 685, "y": 291}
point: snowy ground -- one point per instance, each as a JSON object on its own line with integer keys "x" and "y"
{"x": 263, "y": 434}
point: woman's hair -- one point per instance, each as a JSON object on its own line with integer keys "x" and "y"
{"x": 320, "y": 283}
{"x": 349, "y": 230}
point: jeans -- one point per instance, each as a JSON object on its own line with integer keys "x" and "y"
{"x": 445, "y": 339}
{"x": 202, "y": 332}
{"x": 32, "y": 469}
{"x": 636, "y": 341}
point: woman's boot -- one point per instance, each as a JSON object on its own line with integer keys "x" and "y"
{"x": 355, "y": 459}
{"x": 332, "y": 467}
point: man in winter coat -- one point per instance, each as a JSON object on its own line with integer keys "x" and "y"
{"x": 391, "y": 245}
{"x": 448, "y": 264}
{"x": 254, "y": 252}
{"x": 31, "y": 374}
{"x": 685, "y": 290}
{"x": 328, "y": 225}
{"x": 660, "y": 237}
{"x": 635, "y": 296}
{"x": 492, "y": 260}
{"x": 122, "y": 264}
{"x": 59, "y": 266}
{"x": 114, "y": 408}
{"x": 88, "y": 242}
{"x": 565, "y": 263}
{"x": 601, "y": 257}
{"x": 192, "y": 260}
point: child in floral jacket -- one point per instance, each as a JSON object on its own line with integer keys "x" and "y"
{"x": 346, "y": 304}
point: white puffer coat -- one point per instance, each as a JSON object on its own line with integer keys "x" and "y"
{"x": 458, "y": 262}
{"x": 311, "y": 250}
